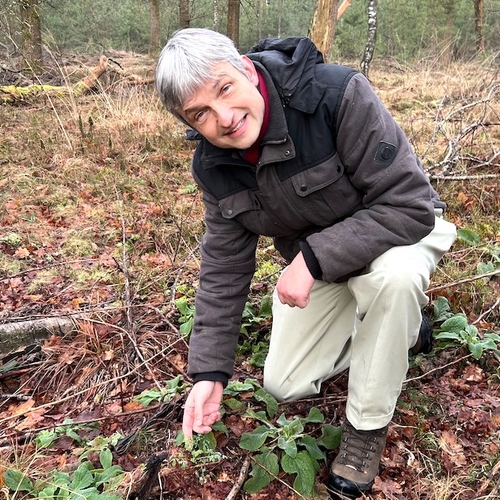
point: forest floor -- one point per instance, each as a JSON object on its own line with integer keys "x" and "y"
{"x": 100, "y": 222}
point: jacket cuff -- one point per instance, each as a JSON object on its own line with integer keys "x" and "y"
{"x": 311, "y": 260}
{"x": 212, "y": 377}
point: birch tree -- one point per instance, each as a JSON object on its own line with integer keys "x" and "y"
{"x": 371, "y": 39}
{"x": 216, "y": 15}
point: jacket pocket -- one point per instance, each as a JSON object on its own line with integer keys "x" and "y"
{"x": 246, "y": 208}
{"x": 236, "y": 204}
{"x": 326, "y": 192}
{"x": 318, "y": 177}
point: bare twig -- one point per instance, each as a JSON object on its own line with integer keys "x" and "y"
{"x": 426, "y": 374}
{"x": 128, "y": 297}
{"x": 477, "y": 177}
{"x": 241, "y": 479}
{"x": 133, "y": 371}
{"x": 485, "y": 313}
{"x": 487, "y": 482}
{"x": 452, "y": 156}
{"x": 465, "y": 280}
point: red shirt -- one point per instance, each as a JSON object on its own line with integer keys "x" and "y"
{"x": 252, "y": 154}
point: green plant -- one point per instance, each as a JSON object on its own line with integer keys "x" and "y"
{"x": 235, "y": 387}
{"x": 251, "y": 342}
{"x": 12, "y": 239}
{"x": 285, "y": 443}
{"x": 86, "y": 482}
{"x": 472, "y": 239}
{"x": 46, "y": 438}
{"x": 186, "y": 318}
{"x": 252, "y": 316}
{"x": 456, "y": 328}
{"x": 162, "y": 395}
{"x": 199, "y": 451}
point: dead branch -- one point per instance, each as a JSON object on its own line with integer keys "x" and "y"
{"x": 13, "y": 335}
{"x": 241, "y": 479}
{"x": 12, "y": 94}
{"x": 453, "y": 154}
{"x": 342, "y": 8}
{"x": 426, "y": 374}
{"x": 477, "y": 177}
{"x": 488, "y": 311}
{"x": 465, "y": 280}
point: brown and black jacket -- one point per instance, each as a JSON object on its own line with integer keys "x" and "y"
{"x": 337, "y": 179}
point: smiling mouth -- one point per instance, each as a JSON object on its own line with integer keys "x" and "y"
{"x": 238, "y": 126}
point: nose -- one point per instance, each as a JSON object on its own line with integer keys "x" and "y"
{"x": 224, "y": 115}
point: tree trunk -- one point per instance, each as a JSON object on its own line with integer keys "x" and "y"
{"x": 260, "y": 18}
{"x": 450, "y": 8}
{"x": 154, "y": 26}
{"x": 479, "y": 16}
{"x": 216, "y": 15}
{"x": 280, "y": 16}
{"x": 184, "y": 14}
{"x": 31, "y": 33}
{"x": 233, "y": 21}
{"x": 372, "y": 37}
{"x": 322, "y": 30}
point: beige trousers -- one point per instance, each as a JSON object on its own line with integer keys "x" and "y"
{"x": 367, "y": 324}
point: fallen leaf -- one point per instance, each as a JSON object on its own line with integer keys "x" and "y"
{"x": 22, "y": 253}
{"x": 22, "y": 408}
{"x": 473, "y": 373}
{"x": 448, "y": 442}
{"x": 387, "y": 486}
{"x": 12, "y": 205}
{"x": 133, "y": 406}
{"x": 33, "y": 418}
{"x": 108, "y": 355}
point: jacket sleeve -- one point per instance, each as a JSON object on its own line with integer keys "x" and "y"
{"x": 397, "y": 196}
{"x": 227, "y": 267}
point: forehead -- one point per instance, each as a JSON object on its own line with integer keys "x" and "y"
{"x": 219, "y": 73}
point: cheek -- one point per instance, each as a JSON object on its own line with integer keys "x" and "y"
{"x": 258, "y": 104}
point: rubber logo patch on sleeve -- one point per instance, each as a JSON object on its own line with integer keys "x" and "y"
{"x": 385, "y": 153}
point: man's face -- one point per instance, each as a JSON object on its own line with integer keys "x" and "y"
{"x": 228, "y": 110}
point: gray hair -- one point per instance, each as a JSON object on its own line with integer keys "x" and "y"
{"x": 186, "y": 64}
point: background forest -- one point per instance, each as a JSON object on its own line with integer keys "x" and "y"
{"x": 407, "y": 31}
{"x": 100, "y": 227}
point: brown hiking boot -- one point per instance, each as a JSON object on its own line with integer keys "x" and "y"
{"x": 353, "y": 471}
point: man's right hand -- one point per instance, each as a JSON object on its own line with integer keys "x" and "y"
{"x": 201, "y": 410}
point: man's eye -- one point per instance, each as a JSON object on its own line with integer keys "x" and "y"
{"x": 199, "y": 116}
{"x": 226, "y": 88}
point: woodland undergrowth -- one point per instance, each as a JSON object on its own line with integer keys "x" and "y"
{"x": 101, "y": 222}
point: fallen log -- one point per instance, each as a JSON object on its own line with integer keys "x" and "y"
{"x": 12, "y": 94}
{"x": 14, "y": 335}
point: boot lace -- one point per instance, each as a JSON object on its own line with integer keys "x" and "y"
{"x": 358, "y": 447}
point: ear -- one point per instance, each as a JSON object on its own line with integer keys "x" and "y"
{"x": 250, "y": 69}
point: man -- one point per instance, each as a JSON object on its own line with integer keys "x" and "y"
{"x": 304, "y": 152}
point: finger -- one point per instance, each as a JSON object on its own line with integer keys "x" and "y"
{"x": 198, "y": 415}
{"x": 187, "y": 423}
{"x": 213, "y": 417}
